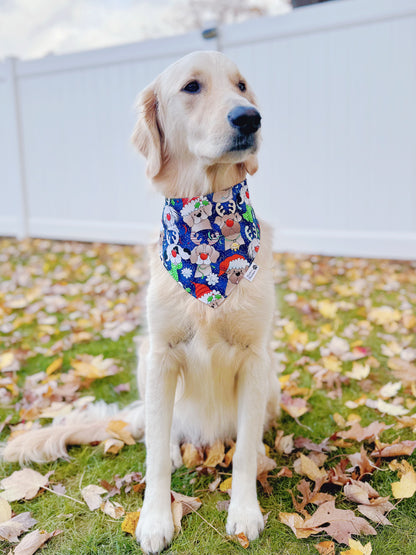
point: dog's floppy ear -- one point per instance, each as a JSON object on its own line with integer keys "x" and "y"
{"x": 251, "y": 164}
{"x": 147, "y": 135}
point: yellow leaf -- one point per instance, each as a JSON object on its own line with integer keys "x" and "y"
{"x": 306, "y": 467}
{"x": 339, "y": 420}
{"x": 332, "y": 363}
{"x": 357, "y": 548}
{"x": 381, "y": 315}
{"x": 359, "y": 371}
{"x": 54, "y": 366}
{"x": 113, "y": 445}
{"x": 327, "y": 309}
{"x": 6, "y": 359}
{"x": 406, "y": 487}
{"x": 116, "y": 429}
{"x": 129, "y": 523}
{"x": 226, "y": 484}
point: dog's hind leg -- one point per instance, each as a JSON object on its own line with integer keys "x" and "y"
{"x": 244, "y": 515}
{"x": 155, "y": 528}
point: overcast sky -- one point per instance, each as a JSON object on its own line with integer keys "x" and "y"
{"x": 34, "y": 28}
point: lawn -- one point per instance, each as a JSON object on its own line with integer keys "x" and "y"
{"x": 345, "y": 336}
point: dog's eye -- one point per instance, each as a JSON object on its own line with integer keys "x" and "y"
{"x": 192, "y": 87}
{"x": 242, "y": 86}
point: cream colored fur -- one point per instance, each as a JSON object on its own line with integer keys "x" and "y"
{"x": 203, "y": 373}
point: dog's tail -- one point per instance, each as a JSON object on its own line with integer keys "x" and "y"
{"x": 80, "y": 427}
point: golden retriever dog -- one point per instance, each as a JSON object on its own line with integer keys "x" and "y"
{"x": 206, "y": 370}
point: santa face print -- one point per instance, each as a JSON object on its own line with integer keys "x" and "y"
{"x": 218, "y": 239}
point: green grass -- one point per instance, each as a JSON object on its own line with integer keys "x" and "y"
{"x": 86, "y": 532}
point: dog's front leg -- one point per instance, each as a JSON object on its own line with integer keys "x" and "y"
{"x": 155, "y": 527}
{"x": 244, "y": 513}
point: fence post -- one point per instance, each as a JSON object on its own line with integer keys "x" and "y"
{"x": 16, "y": 140}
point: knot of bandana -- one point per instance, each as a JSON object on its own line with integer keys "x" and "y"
{"x": 208, "y": 243}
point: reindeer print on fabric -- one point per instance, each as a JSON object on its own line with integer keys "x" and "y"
{"x": 208, "y": 243}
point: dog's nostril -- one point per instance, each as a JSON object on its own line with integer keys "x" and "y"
{"x": 246, "y": 120}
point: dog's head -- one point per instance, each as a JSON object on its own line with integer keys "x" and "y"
{"x": 199, "y": 110}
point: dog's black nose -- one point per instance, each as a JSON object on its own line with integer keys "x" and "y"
{"x": 246, "y": 120}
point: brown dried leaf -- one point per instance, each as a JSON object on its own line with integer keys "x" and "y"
{"x": 113, "y": 446}
{"x": 115, "y": 510}
{"x": 294, "y": 406}
{"x": 11, "y": 529}
{"x": 339, "y": 524}
{"x": 215, "y": 454}
{"x": 264, "y": 466}
{"x": 33, "y": 541}
{"x": 359, "y": 433}
{"x": 242, "y": 540}
{"x": 191, "y": 455}
{"x": 283, "y": 444}
{"x": 325, "y": 548}
{"x": 402, "y": 448}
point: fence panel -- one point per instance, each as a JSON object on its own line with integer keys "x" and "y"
{"x": 336, "y": 87}
{"x": 85, "y": 180}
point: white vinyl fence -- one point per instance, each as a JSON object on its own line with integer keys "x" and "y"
{"x": 336, "y": 83}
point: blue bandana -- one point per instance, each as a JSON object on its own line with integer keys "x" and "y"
{"x": 208, "y": 243}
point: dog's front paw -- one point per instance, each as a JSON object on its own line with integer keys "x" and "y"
{"x": 154, "y": 530}
{"x": 248, "y": 521}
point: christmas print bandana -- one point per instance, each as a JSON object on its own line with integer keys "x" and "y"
{"x": 208, "y": 243}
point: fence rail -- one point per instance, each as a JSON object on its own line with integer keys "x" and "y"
{"x": 336, "y": 83}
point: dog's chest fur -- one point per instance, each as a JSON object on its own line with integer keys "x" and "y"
{"x": 210, "y": 345}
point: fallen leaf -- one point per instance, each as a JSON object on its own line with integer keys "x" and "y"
{"x": 390, "y": 390}
{"x": 406, "y": 487}
{"x": 294, "y": 406}
{"x": 402, "y": 370}
{"x": 215, "y": 454}
{"x": 191, "y": 455}
{"x": 23, "y": 484}
{"x": 54, "y": 366}
{"x": 226, "y": 485}
{"x": 386, "y": 408}
{"x": 92, "y": 496}
{"x": 357, "y": 548}
{"x": 242, "y": 540}
{"x": 117, "y": 430}
{"x": 11, "y": 529}
{"x": 33, "y": 541}
{"x": 115, "y": 510}
{"x": 284, "y": 444}
{"x": 181, "y": 506}
{"x": 325, "y": 548}
{"x": 359, "y": 371}
{"x": 382, "y": 315}
{"x": 264, "y": 466}
{"x": 297, "y": 524}
{"x": 306, "y": 467}
{"x": 113, "y": 445}
{"x": 339, "y": 524}
{"x": 5, "y": 510}
{"x": 401, "y": 448}
{"x": 129, "y": 523}
{"x": 359, "y": 433}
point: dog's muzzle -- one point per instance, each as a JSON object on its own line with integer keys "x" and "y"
{"x": 246, "y": 121}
